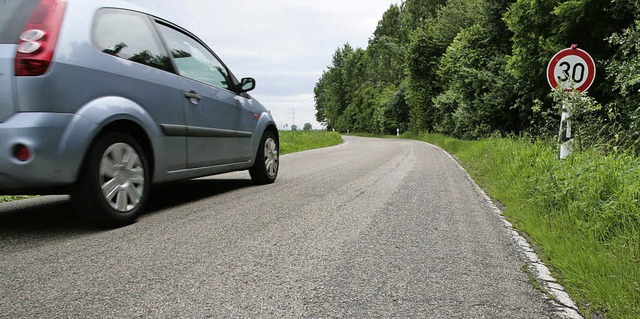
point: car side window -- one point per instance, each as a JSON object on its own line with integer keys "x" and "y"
{"x": 130, "y": 36}
{"x": 193, "y": 60}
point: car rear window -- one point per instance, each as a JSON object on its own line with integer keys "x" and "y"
{"x": 130, "y": 36}
{"x": 13, "y": 17}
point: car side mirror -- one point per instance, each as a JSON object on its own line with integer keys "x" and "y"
{"x": 247, "y": 84}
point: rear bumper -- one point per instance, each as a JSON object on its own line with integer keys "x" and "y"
{"x": 56, "y": 155}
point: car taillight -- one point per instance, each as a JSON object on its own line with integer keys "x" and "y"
{"x": 21, "y": 152}
{"x": 38, "y": 40}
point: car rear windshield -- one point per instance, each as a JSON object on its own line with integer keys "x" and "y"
{"x": 13, "y": 17}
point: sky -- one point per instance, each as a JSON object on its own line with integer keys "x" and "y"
{"x": 284, "y": 44}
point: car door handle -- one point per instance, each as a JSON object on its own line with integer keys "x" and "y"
{"x": 193, "y": 97}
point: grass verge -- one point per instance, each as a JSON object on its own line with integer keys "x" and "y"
{"x": 297, "y": 141}
{"x": 9, "y": 198}
{"x": 582, "y": 212}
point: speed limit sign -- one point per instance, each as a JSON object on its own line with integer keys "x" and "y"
{"x": 571, "y": 69}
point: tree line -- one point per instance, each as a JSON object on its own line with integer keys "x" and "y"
{"x": 473, "y": 68}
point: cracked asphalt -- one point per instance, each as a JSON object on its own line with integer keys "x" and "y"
{"x": 373, "y": 228}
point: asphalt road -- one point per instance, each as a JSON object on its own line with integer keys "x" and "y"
{"x": 369, "y": 229}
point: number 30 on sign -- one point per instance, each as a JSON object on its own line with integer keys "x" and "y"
{"x": 571, "y": 69}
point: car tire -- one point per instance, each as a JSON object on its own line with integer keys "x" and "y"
{"x": 114, "y": 184}
{"x": 265, "y": 168}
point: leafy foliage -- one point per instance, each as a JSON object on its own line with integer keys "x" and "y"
{"x": 479, "y": 90}
{"x": 624, "y": 72}
{"x": 473, "y": 68}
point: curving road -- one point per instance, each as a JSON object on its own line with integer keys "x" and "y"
{"x": 372, "y": 228}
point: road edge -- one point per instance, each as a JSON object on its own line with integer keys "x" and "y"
{"x": 564, "y": 305}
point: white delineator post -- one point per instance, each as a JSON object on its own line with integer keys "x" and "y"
{"x": 566, "y": 139}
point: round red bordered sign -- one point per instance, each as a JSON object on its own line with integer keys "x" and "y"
{"x": 571, "y": 69}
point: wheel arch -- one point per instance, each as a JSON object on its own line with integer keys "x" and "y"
{"x": 98, "y": 117}
{"x": 117, "y": 207}
{"x": 270, "y": 127}
{"x": 136, "y": 131}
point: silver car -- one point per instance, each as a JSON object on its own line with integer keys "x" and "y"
{"x": 100, "y": 99}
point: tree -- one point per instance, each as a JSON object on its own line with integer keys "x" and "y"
{"x": 422, "y": 82}
{"x": 478, "y": 92}
{"x": 385, "y": 53}
{"x": 542, "y": 28}
{"x": 471, "y": 68}
{"x": 307, "y": 127}
{"x": 417, "y": 12}
{"x": 477, "y": 96}
{"x": 333, "y": 89}
{"x": 428, "y": 44}
{"x": 624, "y": 73}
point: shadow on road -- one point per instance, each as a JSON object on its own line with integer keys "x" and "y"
{"x": 41, "y": 217}
{"x": 54, "y": 216}
{"x": 175, "y": 194}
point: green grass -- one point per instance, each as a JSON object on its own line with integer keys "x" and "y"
{"x": 12, "y": 198}
{"x": 291, "y": 142}
{"x": 582, "y": 212}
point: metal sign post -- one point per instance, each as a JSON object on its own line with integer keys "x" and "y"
{"x": 570, "y": 69}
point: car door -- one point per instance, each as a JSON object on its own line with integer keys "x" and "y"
{"x": 219, "y": 129}
{"x": 146, "y": 77}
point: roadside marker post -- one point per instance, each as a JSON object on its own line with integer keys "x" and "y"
{"x": 570, "y": 69}
{"x": 566, "y": 140}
